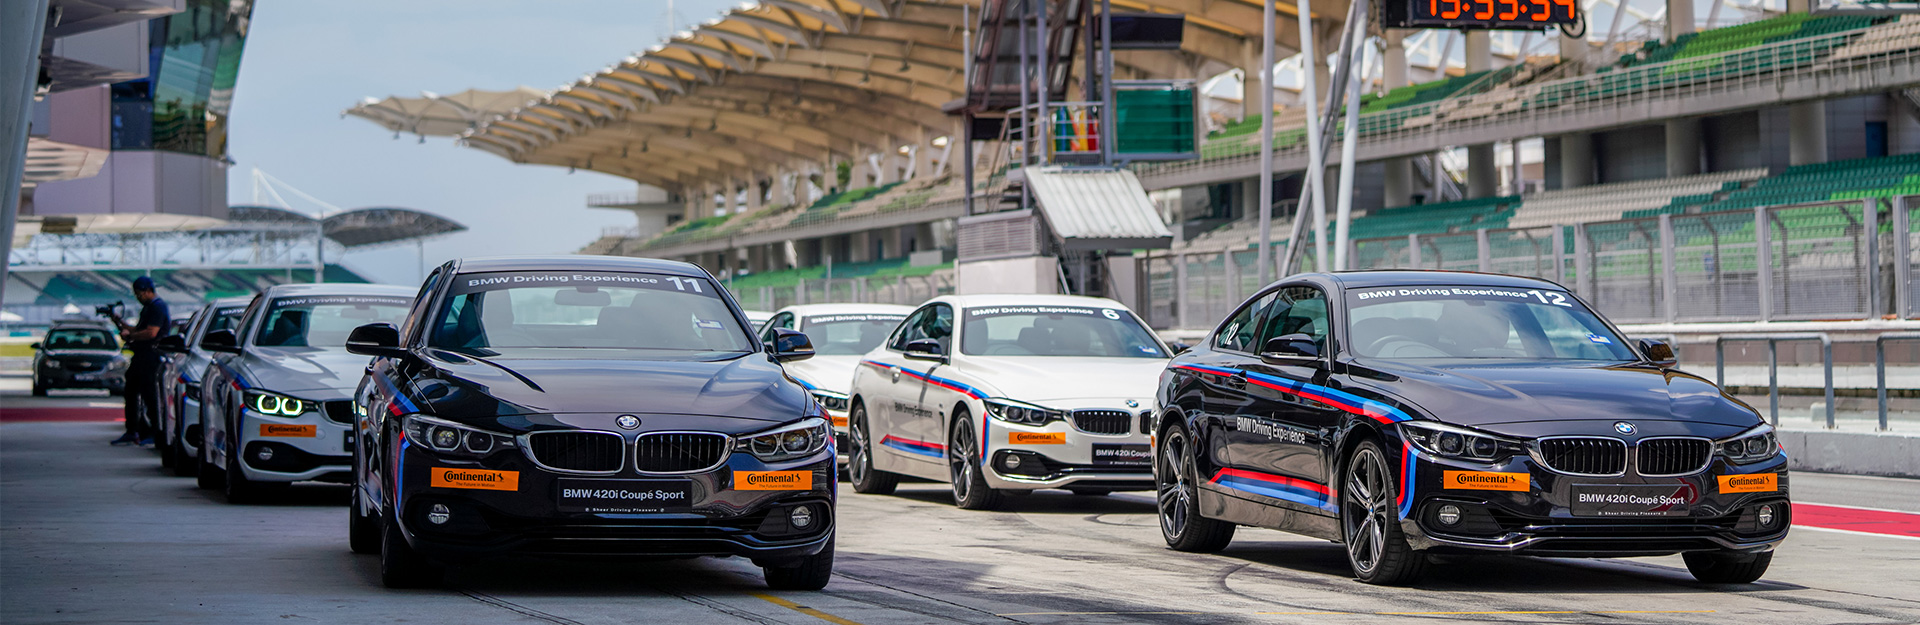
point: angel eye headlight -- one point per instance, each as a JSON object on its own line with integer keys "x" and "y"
{"x": 1022, "y": 413}
{"x": 277, "y": 405}
{"x": 830, "y": 400}
{"x": 451, "y": 438}
{"x": 1448, "y": 441}
{"x": 797, "y": 440}
{"x": 1752, "y": 445}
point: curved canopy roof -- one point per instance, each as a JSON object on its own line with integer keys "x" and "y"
{"x": 777, "y": 83}
{"x": 357, "y": 227}
{"x": 442, "y": 115}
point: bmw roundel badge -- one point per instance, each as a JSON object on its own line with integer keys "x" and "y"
{"x": 627, "y": 422}
{"x": 1133, "y": 404}
{"x": 1623, "y": 427}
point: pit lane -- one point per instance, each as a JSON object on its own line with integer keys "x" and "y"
{"x": 94, "y": 534}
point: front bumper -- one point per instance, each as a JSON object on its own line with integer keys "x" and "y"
{"x": 527, "y": 518}
{"x": 1545, "y": 520}
{"x": 309, "y": 447}
{"x": 1058, "y": 455}
{"x": 111, "y": 378}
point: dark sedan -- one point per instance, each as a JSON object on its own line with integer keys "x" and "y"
{"x": 78, "y": 354}
{"x": 1413, "y": 412}
{"x": 582, "y": 407}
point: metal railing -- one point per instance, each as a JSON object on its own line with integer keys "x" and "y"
{"x": 902, "y": 290}
{"x": 1773, "y": 367}
{"x": 1880, "y": 369}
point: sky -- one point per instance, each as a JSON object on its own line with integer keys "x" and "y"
{"x": 305, "y": 62}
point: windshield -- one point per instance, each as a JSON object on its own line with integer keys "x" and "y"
{"x": 225, "y": 318}
{"x": 325, "y": 320}
{"x": 80, "y": 338}
{"x": 1478, "y": 322}
{"x": 1056, "y": 331}
{"x": 848, "y": 335}
{"x": 581, "y": 314}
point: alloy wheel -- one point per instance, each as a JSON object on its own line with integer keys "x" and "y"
{"x": 1175, "y": 492}
{"x": 1365, "y": 509}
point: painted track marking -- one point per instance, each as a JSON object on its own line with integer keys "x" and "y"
{"x": 803, "y": 609}
{"x": 1853, "y": 520}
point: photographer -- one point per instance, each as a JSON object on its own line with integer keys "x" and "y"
{"x": 143, "y": 373}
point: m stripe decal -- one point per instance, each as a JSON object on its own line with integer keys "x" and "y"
{"x": 923, "y": 448}
{"x": 1277, "y": 486}
{"x": 935, "y": 380}
{"x": 1346, "y": 402}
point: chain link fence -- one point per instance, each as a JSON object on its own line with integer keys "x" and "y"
{"x": 902, "y": 290}
{"x": 1810, "y": 261}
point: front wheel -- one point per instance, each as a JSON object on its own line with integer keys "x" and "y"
{"x": 1174, "y": 480}
{"x": 208, "y": 477}
{"x": 184, "y": 465}
{"x": 363, "y": 530}
{"x": 1720, "y": 567}
{"x": 1369, "y": 521}
{"x": 860, "y": 469}
{"x": 240, "y": 489}
{"x": 812, "y": 573}
{"x": 400, "y": 565}
{"x": 970, "y": 490}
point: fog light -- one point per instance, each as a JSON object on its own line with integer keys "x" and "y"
{"x": 1011, "y": 461}
{"x": 1766, "y": 515}
{"x": 1449, "y": 515}
{"x": 265, "y": 454}
{"x": 438, "y": 514}
{"x": 801, "y": 517}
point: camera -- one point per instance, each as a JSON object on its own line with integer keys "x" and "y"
{"x": 109, "y": 310}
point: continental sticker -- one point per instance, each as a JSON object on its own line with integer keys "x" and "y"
{"x": 839, "y": 422}
{"x": 1037, "y": 438}
{"x": 289, "y": 430}
{"x": 1485, "y": 480}
{"x": 478, "y": 479}
{"x": 773, "y": 480}
{"x": 1752, "y": 483}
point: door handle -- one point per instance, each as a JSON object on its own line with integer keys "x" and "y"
{"x": 896, "y": 374}
{"x": 1238, "y": 380}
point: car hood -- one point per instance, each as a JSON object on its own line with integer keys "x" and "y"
{"x": 1482, "y": 394}
{"x": 1061, "y": 382}
{"x": 827, "y": 373}
{"x": 749, "y": 387}
{"x": 294, "y": 369}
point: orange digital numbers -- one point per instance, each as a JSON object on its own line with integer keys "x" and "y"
{"x": 1486, "y": 14}
{"x": 1453, "y": 9}
{"x": 1545, "y": 12}
{"x": 1512, "y": 12}
{"x": 1568, "y": 4}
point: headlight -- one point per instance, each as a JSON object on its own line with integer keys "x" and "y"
{"x": 1449, "y": 441}
{"x": 1022, "y": 413}
{"x": 275, "y": 404}
{"x": 787, "y": 442}
{"x": 118, "y": 362}
{"x": 51, "y": 363}
{"x": 452, "y": 438}
{"x": 1750, "y": 446}
{"x": 830, "y": 400}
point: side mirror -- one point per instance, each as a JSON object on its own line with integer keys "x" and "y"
{"x": 1179, "y": 347}
{"x": 925, "y": 349}
{"x": 35, "y": 346}
{"x": 222, "y": 341}
{"x": 375, "y": 339}
{"x": 791, "y": 345}
{"x": 1658, "y": 352}
{"x": 1291, "y": 349}
{"x": 171, "y": 343}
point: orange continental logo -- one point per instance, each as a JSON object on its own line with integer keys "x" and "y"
{"x": 773, "y": 480}
{"x": 1484, "y": 480}
{"x": 1037, "y": 438}
{"x": 1755, "y": 483}
{"x": 839, "y": 422}
{"x": 287, "y": 429}
{"x": 480, "y": 479}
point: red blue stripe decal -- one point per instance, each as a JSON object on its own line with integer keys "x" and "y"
{"x": 935, "y": 380}
{"x": 1406, "y": 478}
{"x": 1280, "y": 487}
{"x": 923, "y": 448}
{"x": 1346, "y": 402}
{"x": 400, "y": 404}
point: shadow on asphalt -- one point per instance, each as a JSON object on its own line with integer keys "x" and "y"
{"x": 1507, "y": 574}
{"x": 1045, "y": 501}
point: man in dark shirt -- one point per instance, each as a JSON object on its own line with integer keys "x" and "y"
{"x": 143, "y": 372}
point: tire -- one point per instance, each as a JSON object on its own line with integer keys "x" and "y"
{"x": 209, "y": 477}
{"x": 400, "y": 565}
{"x": 970, "y": 490}
{"x": 363, "y": 531}
{"x": 241, "y": 490}
{"x": 39, "y": 390}
{"x": 1177, "y": 492}
{"x": 161, "y": 446}
{"x": 1370, "y": 523}
{"x": 860, "y": 471}
{"x": 812, "y": 573}
{"x": 1723, "y": 567}
{"x": 183, "y": 464}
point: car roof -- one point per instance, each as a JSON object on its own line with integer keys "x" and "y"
{"x": 811, "y": 310}
{"x": 1402, "y": 277}
{"x": 231, "y": 302}
{"x": 1017, "y": 299}
{"x": 338, "y": 288}
{"x": 576, "y": 262}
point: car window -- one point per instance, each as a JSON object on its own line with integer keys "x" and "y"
{"x": 1296, "y": 310}
{"x": 932, "y": 322}
{"x": 1478, "y": 322}
{"x": 79, "y": 338}
{"x": 223, "y": 319}
{"x": 780, "y": 321}
{"x": 847, "y": 334}
{"x": 325, "y": 320}
{"x": 1084, "y": 331}
{"x": 1243, "y": 328}
{"x": 576, "y": 314}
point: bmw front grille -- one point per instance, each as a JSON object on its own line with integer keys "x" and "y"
{"x": 680, "y": 452}
{"x": 1593, "y": 456}
{"x": 1669, "y": 457}
{"x": 577, "y": 451}
{"x": 1102, "y": 421}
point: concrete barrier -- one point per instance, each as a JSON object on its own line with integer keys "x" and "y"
{"x": 1858, "y": 453}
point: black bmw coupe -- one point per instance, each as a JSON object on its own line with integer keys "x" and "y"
{"x": 587, "y": 407}
{"x": 1404, "y": 413}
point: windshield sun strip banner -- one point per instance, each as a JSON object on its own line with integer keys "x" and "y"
{"x": 923, "y": 448}
{"x": 1280, "y": 487}
{"x": 499, "y": 280}
{"x": 841, "y": 318}
{"x": 338, "y": 300}
{"x": 935, "y": 380}
{"x": 1346, "y": 402}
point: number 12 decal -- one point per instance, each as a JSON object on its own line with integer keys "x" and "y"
{"x": 1557, "y": 299}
